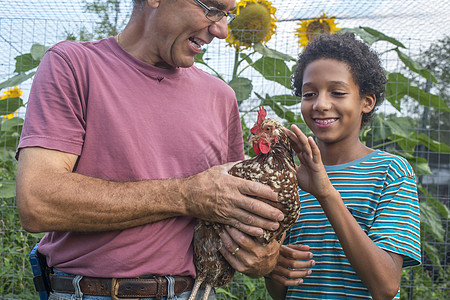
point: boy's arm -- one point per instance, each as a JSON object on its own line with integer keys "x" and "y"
{"x": 379, "y": 270}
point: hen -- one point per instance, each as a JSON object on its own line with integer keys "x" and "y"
{"x": 273, "y": 165}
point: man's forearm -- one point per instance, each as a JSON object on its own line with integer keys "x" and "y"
{"x": 74, "y": 202}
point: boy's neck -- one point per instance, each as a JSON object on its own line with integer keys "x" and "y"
{"x": 336, "y": 154}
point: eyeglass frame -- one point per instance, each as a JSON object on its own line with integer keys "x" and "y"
{"x": 230, "y": 17}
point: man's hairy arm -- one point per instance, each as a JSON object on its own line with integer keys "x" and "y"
{"x": 50, "y": 197}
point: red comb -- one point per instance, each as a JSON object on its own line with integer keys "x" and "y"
{"x": 261, "y": 114}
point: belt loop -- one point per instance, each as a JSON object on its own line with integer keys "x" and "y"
{"x": 159, "y": 287}
{"x": 76, "y": 285}
{"x": 170, "y": 287}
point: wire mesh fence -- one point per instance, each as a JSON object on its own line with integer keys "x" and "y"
{"x": 417, "y": 115}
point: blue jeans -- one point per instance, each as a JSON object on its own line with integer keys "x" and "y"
{"x": 63, "y": 296}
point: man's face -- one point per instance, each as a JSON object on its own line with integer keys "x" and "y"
{"x": 183, "y": 29}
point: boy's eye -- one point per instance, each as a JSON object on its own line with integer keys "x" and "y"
{"x": 339, "y": 94}
{"x": 307, "y": 94}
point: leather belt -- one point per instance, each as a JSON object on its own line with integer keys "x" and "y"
{"x": 155, "y": 287}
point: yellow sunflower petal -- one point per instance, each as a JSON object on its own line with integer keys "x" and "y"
{"x": 14, "y": 92}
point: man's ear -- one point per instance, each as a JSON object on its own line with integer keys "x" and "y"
{"x": 368, "y": 104}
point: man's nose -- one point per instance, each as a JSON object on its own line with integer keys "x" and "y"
{"x": 219, "y": 29}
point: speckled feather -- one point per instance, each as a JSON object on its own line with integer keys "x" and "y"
{"x": 276, "y": 169}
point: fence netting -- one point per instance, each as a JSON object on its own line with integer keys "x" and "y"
{"x": 413, "y": 123}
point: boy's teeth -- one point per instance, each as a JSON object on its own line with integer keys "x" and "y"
{"x": 327, "y": 121}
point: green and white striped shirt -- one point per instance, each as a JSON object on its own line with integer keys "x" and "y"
{"x": 380, "y": 191}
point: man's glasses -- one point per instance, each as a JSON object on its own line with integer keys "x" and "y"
{"x": 214, "y": 14}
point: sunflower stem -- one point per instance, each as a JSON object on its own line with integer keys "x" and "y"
{"x": 248, "y": 65}
{"x": 236, "y": 62}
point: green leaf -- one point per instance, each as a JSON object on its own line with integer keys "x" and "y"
{"x": 16, "y": 80}
{"x": 287, "y": 100}
{"x": 7, "y": 189}
{"x": 427, "y": 99}
{"x": 415, "y": 66}
{"x": 10, "y": 105}
{"x": 430, "y": 221}
{"x": 396, "y": 130}
{"x": 242, "y": 87}
{"x": 260, "y": 48}
{"x": 396, "y": 89}
{"x": 274, "y": 69}
{"x": 398, "y": 86}
{"x": 379, "y": 36}
{"x": 25, "y": 62}
{"x": 433, "y": 253}
{"x": 434, "y": 202}
{"x": 407, "y": 143}
{"x": 227, "y": 293}
{"x": 420, "y": 166}
{"x": 12, "y": 125}
{"x": 280, "y": 110}
{"x": 433, "y": 145}
{"x": 246, "y": 57}
{"x": 37, "y": 51}
{"x": 364, "y": 35}
{"x": 380, "y": 130}
{"x": 10, "y": 141}
{"x": 199, "y": 57}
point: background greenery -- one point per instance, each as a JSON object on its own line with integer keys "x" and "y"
{"x": 417, "y": 128}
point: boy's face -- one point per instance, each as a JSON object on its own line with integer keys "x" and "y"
{"x": 331, "y": 105}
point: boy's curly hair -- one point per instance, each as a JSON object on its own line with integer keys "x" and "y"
{"x": 363, "y": 62}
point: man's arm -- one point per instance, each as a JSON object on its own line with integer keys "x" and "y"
{"x": 50, "y": 197}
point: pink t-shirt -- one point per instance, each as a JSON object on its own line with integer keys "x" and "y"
{"x": 128, "y": 121}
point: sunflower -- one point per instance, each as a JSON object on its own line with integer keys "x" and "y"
{"x": 255, "y": 23}
{"x": 14, "y": 92}
{"x": 311, "y": 28}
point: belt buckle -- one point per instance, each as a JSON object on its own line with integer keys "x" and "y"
{"x": 115, "y": 290}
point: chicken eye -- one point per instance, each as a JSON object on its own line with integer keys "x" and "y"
{"x": 268, "y": 129}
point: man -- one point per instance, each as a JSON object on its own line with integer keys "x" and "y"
{"x": 124, "y": 144}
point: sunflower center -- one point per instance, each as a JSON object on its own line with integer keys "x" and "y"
{"x": 317, "y": 28}
{"x": 252, "y": 24}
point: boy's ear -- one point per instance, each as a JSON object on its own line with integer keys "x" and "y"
{"x": 369, "y": 102}
{"x": 153, "y": 3}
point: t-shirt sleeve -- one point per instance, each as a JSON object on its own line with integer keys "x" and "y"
{"x": 235, "y": 140}
{"x": 396, "y": 226}
{"x": 54, "y": 116}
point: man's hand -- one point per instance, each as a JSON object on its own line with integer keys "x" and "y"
{"x": 216, "y": 196}
{"x": 251, "y": 258}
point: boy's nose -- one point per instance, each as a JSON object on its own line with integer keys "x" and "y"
{"x": 322, "y": 103}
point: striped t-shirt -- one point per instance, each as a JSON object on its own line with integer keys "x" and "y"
{"x": 380, "y": 192}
